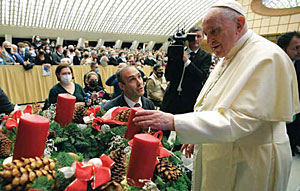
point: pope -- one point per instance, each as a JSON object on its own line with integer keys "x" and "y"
{"x": 238, "y": 123}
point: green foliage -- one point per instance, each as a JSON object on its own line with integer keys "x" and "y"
{"x": 64, "y": 159}
{"x": 88, "y": 141}
{"x": 100, "y": 113}
{"x": 42, "y": 184}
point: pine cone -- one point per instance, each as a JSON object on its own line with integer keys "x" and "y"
{"x": 168, "y": 171}
{"x": 5, "y": 146}
{"x": 19, "y": 174}
{"x": 122, "y": 116}
{"x": 79, "y": 113}
{"x": 110, "y": 186}
{"x": 118, "y": 171}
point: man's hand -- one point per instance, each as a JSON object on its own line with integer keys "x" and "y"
{"x": 154, "y": 119}
{"x": 189, "y": 150}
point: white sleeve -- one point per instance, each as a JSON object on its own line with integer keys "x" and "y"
{"x": 214, "y": 126}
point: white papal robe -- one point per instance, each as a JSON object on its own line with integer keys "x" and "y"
{"x": 239, "y": 121}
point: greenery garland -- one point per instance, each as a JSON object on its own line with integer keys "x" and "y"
{"x": 89, "y": 143}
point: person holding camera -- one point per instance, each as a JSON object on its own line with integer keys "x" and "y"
{"x": 184, "y": 87}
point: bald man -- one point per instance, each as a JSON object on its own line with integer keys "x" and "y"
{"x": 131, "y": 83}
{"x": 238, "y": 123}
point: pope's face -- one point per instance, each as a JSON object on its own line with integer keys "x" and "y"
{"x": 220, "y": 32}
{"x": 293, "y": 49}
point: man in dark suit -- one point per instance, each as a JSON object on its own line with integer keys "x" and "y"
{"x": 186, "y": 82}
{"x": 58, "y": 55}
{"x": 132, "y": 85}
{"x": 290, "y": 43}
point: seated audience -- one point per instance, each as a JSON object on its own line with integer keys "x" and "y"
{"x": 156, "y": 85}
{"x": 5, "y": 105}
{"x": 64, "y": 75}
{"x": 131, "y": 83}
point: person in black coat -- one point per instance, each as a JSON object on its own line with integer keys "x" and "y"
{"x": 5, "y": 105}
{"x": 186, "y": 78}
{"x": 290, "y": 43}
{"x": 132, "y": 85}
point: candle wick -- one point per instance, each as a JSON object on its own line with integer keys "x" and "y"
{"x": 149, "y": 129}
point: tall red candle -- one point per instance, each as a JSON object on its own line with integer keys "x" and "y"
{"x": 132, "y": 129}
{"x": 31, "y": 136}
{"x": 65, "y": 108}
{"x": 142, "y": 158}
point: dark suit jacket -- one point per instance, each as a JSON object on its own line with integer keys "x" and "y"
{"x": 297, "y": 68}
{"x": 149, "y": 62}
{"x": 56, "y": 58}
{"x": 120, "y": 101}
{"x": 113, "y": 61}
{"x": 194, "y": 78}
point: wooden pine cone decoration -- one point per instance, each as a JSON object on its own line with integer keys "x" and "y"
{"x": 168, "y": 171}
{"x": 20, "y": 174}
{"x": 122, "y": 116}
{"x": 118, "y": 172}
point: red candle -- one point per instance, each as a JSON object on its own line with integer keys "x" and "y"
{"x": 142, "y": 159}
{"x": 64, "y": 109}
{"x": 132, "y": 129}
{"x": 31, "y": 136}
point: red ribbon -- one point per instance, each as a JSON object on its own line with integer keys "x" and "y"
{"x": 98, "y": 121}
{"x": 162, "y": 152}
{"x": 12, "y": 121}
{"x": 98, "y": 174}
{"x": 93, "y": 110}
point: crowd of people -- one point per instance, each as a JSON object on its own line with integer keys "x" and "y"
{"x": 230, "y": 113}
{"x": 40, "y": 52}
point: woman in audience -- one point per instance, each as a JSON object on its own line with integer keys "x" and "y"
{"x": 97, "y": 92}
{"x": 64, "y": 75}
{"x": 42, "y": 58}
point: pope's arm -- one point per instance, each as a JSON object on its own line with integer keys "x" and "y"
{"x": 214, "y": 126}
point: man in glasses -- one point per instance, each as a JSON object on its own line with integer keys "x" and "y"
{"x": 183, "y": 90}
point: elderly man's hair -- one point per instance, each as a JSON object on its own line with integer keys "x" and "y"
{"x": 231, "y": 14}
{"x": 119, "y": 73}
{"x": 285, "y": 39}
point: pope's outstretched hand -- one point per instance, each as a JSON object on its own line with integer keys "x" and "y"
{"x": 154, "y": 119}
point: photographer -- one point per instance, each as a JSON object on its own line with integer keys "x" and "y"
{"x": 186, "y": 81}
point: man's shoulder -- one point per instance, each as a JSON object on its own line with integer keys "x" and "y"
{"x": 147, "y": 103}
{"x": 117, "y": 101}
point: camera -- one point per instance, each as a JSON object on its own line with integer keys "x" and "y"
{"x": 180, "y": 37}
{"x": 175, "y": 64}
